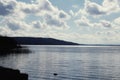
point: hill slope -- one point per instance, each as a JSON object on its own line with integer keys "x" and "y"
{"x": 41, "y": 41}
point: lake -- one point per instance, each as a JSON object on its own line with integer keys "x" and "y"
{"x": 69, "y": 62}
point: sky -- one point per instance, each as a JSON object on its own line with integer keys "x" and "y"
{"x": 80, "y": 21}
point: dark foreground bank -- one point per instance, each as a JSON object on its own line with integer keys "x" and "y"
{"x": 10, "y": 74}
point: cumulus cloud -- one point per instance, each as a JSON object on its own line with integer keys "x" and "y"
{"x": 117, "y": 21}
{"x": 51, "y": 15}
{"x": 4, "y": 31}
{"x": 6, "y": 7}
{"x": 54, "y": 21}
{"x": 15, "y": 25}
{"x": 105, "y": 23}
{"x": 84, "y": 21}
{"x": 95, "y": 9}
{"x": 71, "y": 13}
{"x": 111, "y": 5}
{"x": 12, "y": 8}
{"x": 107, "y": 7}
{"x": 39, "y": 7}
{"x": 16, "y": 12}
{"x": 37, "y": 24}
{"x": 63, "y": 15}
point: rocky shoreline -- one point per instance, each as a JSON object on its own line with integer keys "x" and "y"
{"x": 11, "y": 74}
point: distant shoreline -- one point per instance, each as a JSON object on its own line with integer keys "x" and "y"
{"x": 52, "y": 41}
{"x": 41, "y": 41}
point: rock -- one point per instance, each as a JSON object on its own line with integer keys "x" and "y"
{"x": 55, "y": 74}
{"x": 10, "y": 74}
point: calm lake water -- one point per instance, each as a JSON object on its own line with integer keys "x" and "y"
{"x": 69, "y": 62}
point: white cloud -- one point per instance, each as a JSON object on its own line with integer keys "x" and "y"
{"x": 63, "y": 15}
{"x": 111, "y": 5}
{"x": 44, "y": 7}
{"x": 102, "y": 31}
{"x": 54, "y": 21}
{"x": 83, "y": 21}
{"x": 4, "y": 31}
{"x": 39, "y": 7}
{"x": 11, "y": 8}
{"x": 117, "y": 21}
{"x": 80, "y": 12}
{"x": 105, "y": 23}
{"x": 107, "y": 7}
{"x": 71, "y": 13}
{"x": 51, "y": 15}
{"x": 15, "y": 13}
{"x": 15, "y": 25}
{"x": 7, "y": 7}
{"x": 93, "y": 8}
{"x": 37, "y": 24}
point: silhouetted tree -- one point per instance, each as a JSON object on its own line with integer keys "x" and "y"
{"x": 7, "y": 43}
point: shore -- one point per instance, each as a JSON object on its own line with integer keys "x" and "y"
{"x": 11, "y": 74}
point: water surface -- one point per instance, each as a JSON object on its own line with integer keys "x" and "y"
{"x": 69, "y": 62}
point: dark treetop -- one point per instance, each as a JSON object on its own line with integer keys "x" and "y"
{"x": 7, "y": 43}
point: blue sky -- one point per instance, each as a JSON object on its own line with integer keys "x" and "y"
{"x": 81, "y": 21}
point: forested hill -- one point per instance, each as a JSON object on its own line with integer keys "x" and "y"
{"x": 41, "y": 41}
